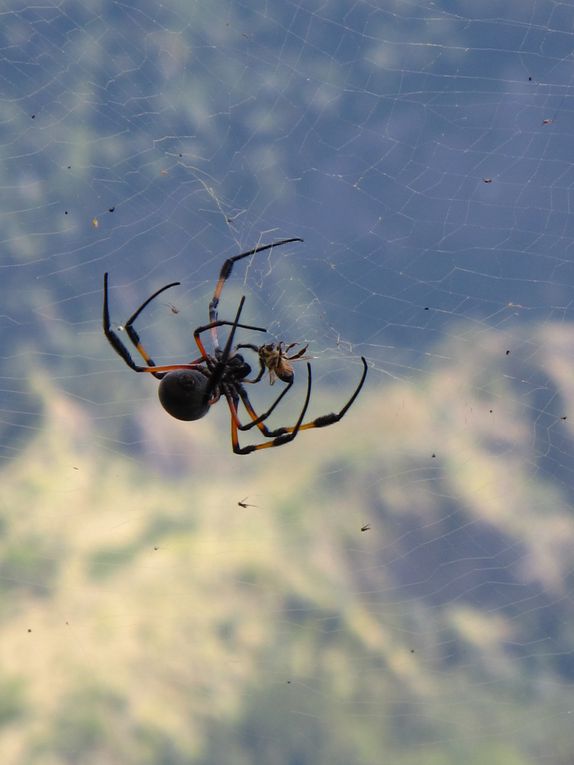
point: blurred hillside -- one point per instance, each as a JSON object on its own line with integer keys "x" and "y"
{"x": 397, "y": 589}
{"x": 147, "y": 618}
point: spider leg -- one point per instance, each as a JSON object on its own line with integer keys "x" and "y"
{"x": 170, "y": 367}
{"x": 255, "y": 349}
{"x": 221, "y": 323}
{"x": 133, "y": 335}
{"x": 257, "y": 420}
{"x": 288, "y": 434}
{"x": 112, "y": 337}
{"x": 226, "y": 270}
{"x": 325, "y": 419}
{"x": 115, "y": 341}
{"x": 219, "y": 368}
{"x": 120, "y": 348}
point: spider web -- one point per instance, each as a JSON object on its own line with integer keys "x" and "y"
{"x": 395, "y": 588}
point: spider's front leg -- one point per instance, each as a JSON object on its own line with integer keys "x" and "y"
{"x": 115, "y": 341}
{"x": 224, "y": 274}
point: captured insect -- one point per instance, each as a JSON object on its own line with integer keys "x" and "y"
{"x": 187, "y": 391}
{"x": 274, "y": 358}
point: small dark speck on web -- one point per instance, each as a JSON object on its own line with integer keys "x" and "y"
{"x": 243, "y": 503}
{"x": 508, "y": 353}
{"x": 366, "y": 527}
{"x": 111, "y": 209}
{"x": 564, "y": 417}
{"x": 433, "y": 455}
{"x": 33, "y": 116}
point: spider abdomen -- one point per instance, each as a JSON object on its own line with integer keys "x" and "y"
{"x": 183, "y": 394}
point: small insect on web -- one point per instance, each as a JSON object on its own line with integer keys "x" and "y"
{"x": 188, "y": 391}
{"x": 275, "y": 358}
{"x": 243, "y": 503}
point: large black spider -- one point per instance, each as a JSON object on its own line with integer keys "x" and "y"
{"x": 187, "y": 391}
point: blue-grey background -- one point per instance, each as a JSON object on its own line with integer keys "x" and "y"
{"x": 424, "y": 153}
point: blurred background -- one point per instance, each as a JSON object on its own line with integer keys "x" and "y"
{"x": 396, "y": 588}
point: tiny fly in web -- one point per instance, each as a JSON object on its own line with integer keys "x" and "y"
{"x": 243, "y": 503}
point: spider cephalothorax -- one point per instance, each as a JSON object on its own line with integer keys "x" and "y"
{"x": 187, "y": 391}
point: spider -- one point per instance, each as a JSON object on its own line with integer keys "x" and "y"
{"x": 188, "y": 391}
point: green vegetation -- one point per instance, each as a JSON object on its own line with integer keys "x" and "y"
{"x": 147, "y": 618}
